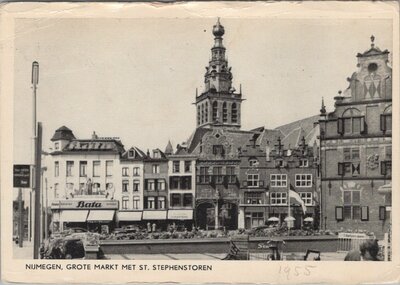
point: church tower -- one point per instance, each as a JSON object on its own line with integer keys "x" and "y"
{"x": 219, "y": 104}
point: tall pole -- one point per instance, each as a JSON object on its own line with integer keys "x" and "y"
{"x": 38, "y": 162}
{"x": 46, "y": 222}
{"x": 20, "y": 219}
{"x": 288, "y": 195}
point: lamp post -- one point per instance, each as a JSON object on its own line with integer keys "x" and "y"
{"x": 37, "y": 149}
{"x": 42, "y": 205}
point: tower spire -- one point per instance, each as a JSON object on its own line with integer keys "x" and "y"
{"x": 323, "y": 108}
{"x": 218, "y": 105}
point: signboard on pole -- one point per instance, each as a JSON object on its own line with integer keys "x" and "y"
{"x": 22, "y": 176}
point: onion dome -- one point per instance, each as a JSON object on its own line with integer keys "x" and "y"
{"x": 218, "y": 29}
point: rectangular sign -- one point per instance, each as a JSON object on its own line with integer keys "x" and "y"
{"x": 85, "y": 204}
{"x": 22, "y": 176}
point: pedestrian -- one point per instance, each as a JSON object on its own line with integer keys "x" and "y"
{"x": 153, "y": 227}
{"x": 368, "y": 252}
{"x": 41, "y": 250}
{"x": 149, "y": 227}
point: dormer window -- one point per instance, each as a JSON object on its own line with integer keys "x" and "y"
{"x": 279, "y": 163}
{"x": 303, "y": 163}
{"x": 253, "y": 162}
{"x": 156, "y": 154}
{"x": 131, "y": 153}
{"x": 57, "y": 146}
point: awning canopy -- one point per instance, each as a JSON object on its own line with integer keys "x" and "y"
{"x": 101, "y": 216}
{"x": 129, "y": 216}
{"x": 180, "y": 214}
{"x": 154, "y": 215}
{"x": 74, "y": 216}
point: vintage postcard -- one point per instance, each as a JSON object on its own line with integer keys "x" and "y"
{"x": 230, "y": 142}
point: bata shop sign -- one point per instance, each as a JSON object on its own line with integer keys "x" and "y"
{"x": 85, "y": 204}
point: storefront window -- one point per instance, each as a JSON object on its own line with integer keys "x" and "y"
{"x": 257, "y": 219}
{"x": 253, "y": 198}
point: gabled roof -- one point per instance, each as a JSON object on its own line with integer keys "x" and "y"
{"x": 196, "y": 137}
{"x": 294, "y": 132}
{"x": 372, "y": 52}
{"x": 138, "y": 154}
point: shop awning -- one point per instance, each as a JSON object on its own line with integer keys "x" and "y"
{"x": 100, "y": 216}
{"x": 180, "y": 214}
{"x": 154, "y": 215}
{"x": 129, "y": 216}
{"x": 74, "y": 216}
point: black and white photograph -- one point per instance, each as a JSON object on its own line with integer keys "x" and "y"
{"x": 201, "y": 137}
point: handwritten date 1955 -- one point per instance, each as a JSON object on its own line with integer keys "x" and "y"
{"x": 295, "y": 271}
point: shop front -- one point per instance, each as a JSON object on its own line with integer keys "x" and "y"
{"x": 129, "y": 218}
{"x": 155, "y": 220}
{"x": 181, "y": 218}
{"x": 91, "y": 215}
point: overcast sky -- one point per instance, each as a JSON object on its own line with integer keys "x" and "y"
{"x": 136, "y": 78}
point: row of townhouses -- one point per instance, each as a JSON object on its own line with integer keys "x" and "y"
{"x": 338, "y": 164}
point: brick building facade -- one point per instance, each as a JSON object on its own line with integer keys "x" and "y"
{"x": 356, "y": 147}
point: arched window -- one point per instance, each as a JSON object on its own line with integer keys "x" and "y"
{"x": 198, "y": 115}
{"x": 206, "y": 113}
{"x": 224, "y": 113}
{"x": 234, "y": 113}
{"x": 386, "y": 119}
{"x": 214, "y": 111}
{"x": 202, "y": 113}
{"x": 352, "y": 122}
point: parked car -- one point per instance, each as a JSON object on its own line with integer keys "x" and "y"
{"x": 131, "y": 229}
